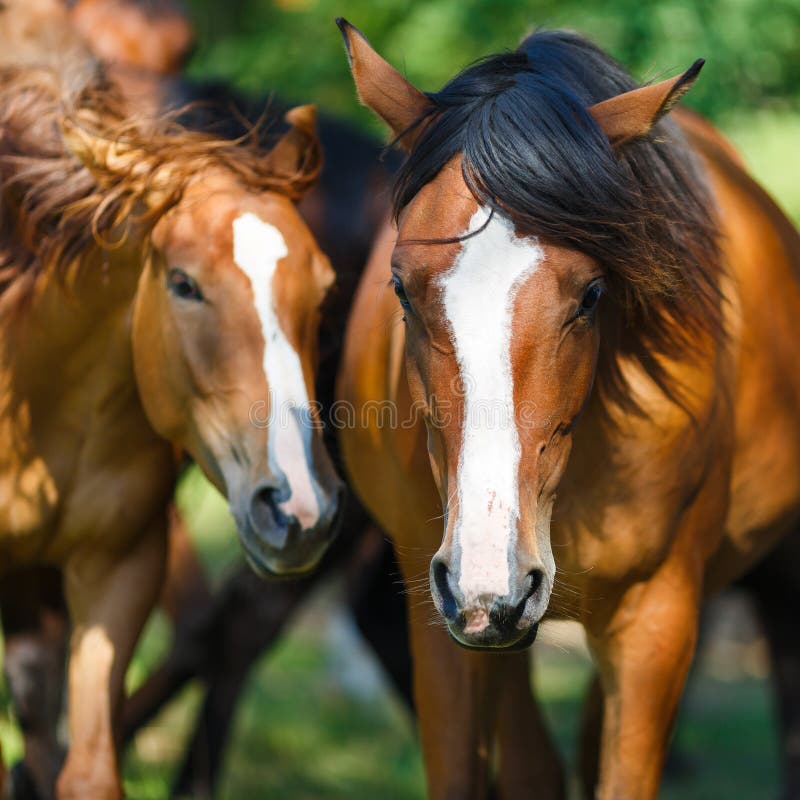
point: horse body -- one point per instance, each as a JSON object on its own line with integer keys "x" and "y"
{"x": 85, "y": 481}
{"x": 342, "y": 212}
{"x": 667, "y": 494}
{"x": 72, "y": 421}
{"x": 764, "y": 254}
{"x": 160, "y": 293}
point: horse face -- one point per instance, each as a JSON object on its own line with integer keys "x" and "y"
{"x": 225, "y": 334}
{"x": 501, "y": 333}
{"x": 501, "y": 351}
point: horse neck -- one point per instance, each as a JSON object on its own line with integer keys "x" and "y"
{"x": 71, "y": 336}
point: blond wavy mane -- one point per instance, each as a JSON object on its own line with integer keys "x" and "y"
{"x": 54, "y": 209}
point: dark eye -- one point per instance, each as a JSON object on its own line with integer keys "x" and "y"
{"x": 591, "y": 297}
{"x": 183, "y": 286}
{"x": 400, "y": 292}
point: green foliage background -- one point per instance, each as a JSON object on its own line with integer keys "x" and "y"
{"x": 750, "y": 85}
{"x": 752, "y": 46}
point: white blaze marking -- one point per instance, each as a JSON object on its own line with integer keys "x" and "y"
{"x": 479, "y": 293}
{"x": 257, "y": 249}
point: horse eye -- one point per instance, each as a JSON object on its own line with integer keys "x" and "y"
{"x": 183, "y": 286}
{"x": 591, "y": 297}
{"x": 400, "y": 292}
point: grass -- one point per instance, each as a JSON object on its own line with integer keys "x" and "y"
{"x": 300, "y": 734}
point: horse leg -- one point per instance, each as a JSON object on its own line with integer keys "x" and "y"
{"x": 529, "y": 762}
{"x": 456, "y": 698}
{"x": 109, "y": 601}
{"x": 780, "y": 626}
{"x": 199, "y": 772}
{"x": 190, "y": 604}
{"x": 186, "y": 588}
{"x": 589, "y": 745}
{"x": 34, "y": 668}
{"x": 35, "y": 626}
{"x": 250, "y": 615}
{"x": 775, "y": 586}
{"x": 644, "y": 653}
{"x": 378, "y": 605}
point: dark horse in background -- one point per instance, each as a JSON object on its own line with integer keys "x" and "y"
{"x": 218, "y": 636}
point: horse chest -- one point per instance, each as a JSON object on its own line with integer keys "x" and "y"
{"x": 81, "y": 468}
{"x": 46, "y": 514}
{"x": 622, "y": 503}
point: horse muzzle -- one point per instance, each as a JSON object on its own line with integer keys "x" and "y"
{"x": 489, "y": 621}
{"x": 275, "y": 543}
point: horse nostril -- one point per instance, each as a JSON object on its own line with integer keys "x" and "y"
{"x": 441, "y": 579}
{"x": 536, "y": 578}
{"x": 267, "y": 517}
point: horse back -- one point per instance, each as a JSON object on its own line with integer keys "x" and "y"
{"x": 762, "y": 291}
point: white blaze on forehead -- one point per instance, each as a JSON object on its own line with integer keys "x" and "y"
{"x": 257, "y": 249}
{"x": 478, "y": 294}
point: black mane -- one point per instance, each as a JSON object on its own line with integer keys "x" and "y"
{"x": 531, "y": 151}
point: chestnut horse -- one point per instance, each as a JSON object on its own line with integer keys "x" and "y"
{"x": 217, "y": 635}
{"x": 159, "y": 293}
{"x": 598, "y": 303}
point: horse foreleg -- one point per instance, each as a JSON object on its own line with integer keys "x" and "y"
{"x": 35, "y": 626}
{"x": 109, "y": 601}
{"x": 589, "y": 744}
{"x": 249, "y": 616}
{"x": 378, "y": 604}
{"x": 530, "y": 765}
{"x": 780, "y": 625}
{"x": 200, "y": 771}
{"x": 189, "y": 602}
{"x": 34, "y": 667}
{"x": 775, "y": 587}
{"x": 644, "y": 653}
{"x": 187, "y": 593}
{"x": 456, "y": 700}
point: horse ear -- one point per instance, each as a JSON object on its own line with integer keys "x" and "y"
{"x": 297, "y": 155}
{"x": 632, "y": 115}
{"x": 382, "y": 88}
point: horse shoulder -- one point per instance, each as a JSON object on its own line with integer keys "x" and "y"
{"x": 78, "y": 458}
{"x": 631, "y": 475}
{"x": 382, "y": 435}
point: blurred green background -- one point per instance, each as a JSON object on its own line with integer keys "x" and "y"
{"x": 304, "y": 730}
{"x": 750, "y": 85}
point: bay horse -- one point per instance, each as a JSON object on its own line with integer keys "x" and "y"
{"x": 159, "y": 293}
{"x": 599, "y": 302}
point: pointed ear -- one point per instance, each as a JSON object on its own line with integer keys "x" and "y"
{"x": 382, "y": 88}
{"x": 110, "y": 160}
{"x": 632, "y": 115}
{"x": 297, "y": 155}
